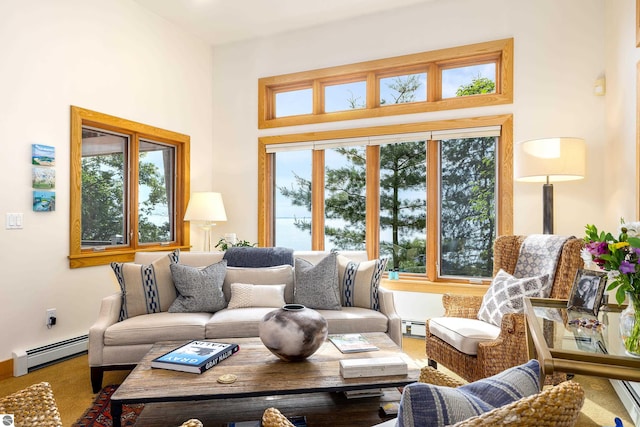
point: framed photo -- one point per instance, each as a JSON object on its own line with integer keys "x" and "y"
{"x": 587, "y": 290}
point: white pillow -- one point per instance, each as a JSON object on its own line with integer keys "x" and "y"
{"x": 506, "y": 293}
{"x": 247, "y": 295}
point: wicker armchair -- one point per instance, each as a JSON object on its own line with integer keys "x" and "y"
{"x": 510, "y": 347}
{"x": 33, "y": 406}
{"x": 557, "y": 406}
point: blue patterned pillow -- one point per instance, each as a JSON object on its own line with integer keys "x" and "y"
{"x": 146, "y": 288}
{"x": 428, "y": 405}
{"x": 359, "y": 282}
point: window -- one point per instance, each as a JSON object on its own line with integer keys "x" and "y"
{"x": 128, "y": 188}
{"x": 425, "y": 195}
{"x": 379, "y": 88}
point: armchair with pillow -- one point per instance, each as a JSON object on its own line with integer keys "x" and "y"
{"x": 481, "y": 336}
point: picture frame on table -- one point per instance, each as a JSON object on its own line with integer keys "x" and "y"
{"x": 587, "y": 291}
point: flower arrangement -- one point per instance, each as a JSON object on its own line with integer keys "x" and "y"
{"x": 620, "y": 257}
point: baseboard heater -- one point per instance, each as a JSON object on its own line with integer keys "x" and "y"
{"x": 414, "y": 328}
{"x": 25, "y": 361}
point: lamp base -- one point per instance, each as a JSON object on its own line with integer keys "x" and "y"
{"x": 547, "y": 208}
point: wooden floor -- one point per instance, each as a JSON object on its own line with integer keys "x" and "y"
{"x": 72, "y": 388}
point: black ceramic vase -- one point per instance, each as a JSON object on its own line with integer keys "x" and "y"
{"x": 293, "y": 332}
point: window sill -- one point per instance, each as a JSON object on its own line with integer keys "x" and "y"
{"x": 425, "y": 286}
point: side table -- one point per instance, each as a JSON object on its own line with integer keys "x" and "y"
{"x": 561, "y": 346}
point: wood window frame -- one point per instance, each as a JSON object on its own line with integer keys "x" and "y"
{"x": 504, "y": 183}
{"x": 500, "y": 51}
{"x": 79, "y": 257}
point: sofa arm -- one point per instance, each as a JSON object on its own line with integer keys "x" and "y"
{"x": 108, "y": 315}
{"x": 388, "y": 308}
{"x": 466, "y": 306}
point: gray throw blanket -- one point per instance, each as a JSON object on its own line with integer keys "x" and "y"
{"x": 258, "y": 257}
{"x": 539, "y": 255}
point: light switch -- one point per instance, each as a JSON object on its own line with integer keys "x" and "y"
{"x": 14, "y": 221}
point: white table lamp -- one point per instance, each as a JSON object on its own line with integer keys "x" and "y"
{"x": 546, "y": 160}
{"x": 206, "y": 208}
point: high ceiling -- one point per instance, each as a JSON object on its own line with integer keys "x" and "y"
{"x": 225, "y": 21}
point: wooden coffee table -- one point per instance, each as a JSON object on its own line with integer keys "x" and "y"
{"x": 261, "y": 375}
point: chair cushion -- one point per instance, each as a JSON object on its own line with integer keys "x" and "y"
{"x": 506, "y": 295}
{"x": 428, "y": 405}
{"x": 146, "y": 289}
{"x": 316, "y": 286}
{"x": 463, "y": 334}
{"x": 199, "y": 289}
{"x": 359, "y": 282}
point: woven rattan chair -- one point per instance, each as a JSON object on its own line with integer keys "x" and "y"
{"x": 510, "y": 347}
{"x": 273, "y": 418}
{"x": 557, "y": 406}
{"x": 33, "y": 406}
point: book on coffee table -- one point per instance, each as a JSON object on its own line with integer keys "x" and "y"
{"x": 196, "y": 356}
{"x": 352, "y": 343}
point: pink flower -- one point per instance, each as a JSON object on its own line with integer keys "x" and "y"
{"x": 597, "y": 248}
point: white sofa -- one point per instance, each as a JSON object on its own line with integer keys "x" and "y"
{"x": 117, "y": 344}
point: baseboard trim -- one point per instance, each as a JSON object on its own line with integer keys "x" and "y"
{"x": 6, "y": 369}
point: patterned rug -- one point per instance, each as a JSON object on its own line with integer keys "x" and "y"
{"x": 99, "y": 414}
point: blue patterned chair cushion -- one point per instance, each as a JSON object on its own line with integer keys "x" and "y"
{"x": 146, "y": 288}
{"x": 428, "y": 405}
{"x": 359, "y": 282}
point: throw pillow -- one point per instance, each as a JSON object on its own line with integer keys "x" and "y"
{"x": 146, "y": 288}
{"x": 260, "y": 276}
{"x": 359, "y": 282}
{"x": 316, "y": 286}
{"x": 199, "y": 289}
{"x": 506, "y": 293}
{"x": 427, "y": 405}
{"x": 246, "y": 295}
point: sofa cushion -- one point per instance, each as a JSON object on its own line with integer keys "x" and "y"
{"x": 359, "y": 282}
{"x": 316, "y": 286}
{"x": 236, "y": 322}
{"x": 506, "y": 295}
{"x": 151, "y": 328}
{"x": 199, "y": 289}
{"x": 260, "y": 276}
{"x": 146, "y": 288}
{"x": 355, "y": 319}
{"x": 248, "y": 295}
{"x": 243, "y": 256}
{"x": 426, "y": 405}
{"x": 463, "y": 334}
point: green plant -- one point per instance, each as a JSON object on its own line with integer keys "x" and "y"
{"x": 223, "y": 245}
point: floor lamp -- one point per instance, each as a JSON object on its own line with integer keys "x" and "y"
{"x": 206, "y": 209}
{"x": 546, "y": 160}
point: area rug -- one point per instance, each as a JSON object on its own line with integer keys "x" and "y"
{"x": 99, "y": 414}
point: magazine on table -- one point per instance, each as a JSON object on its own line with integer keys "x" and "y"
{"x": 352, "y": 343}
{"x": 196, "y": 356}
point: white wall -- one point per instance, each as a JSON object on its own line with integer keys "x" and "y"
{"x": 619, "y": 189}
{"x": 559, "y": 53}
{"x": 109, "y": 56}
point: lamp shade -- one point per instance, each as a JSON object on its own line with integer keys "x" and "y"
{"x": 552, "y": 159}
{"x": 206, "y": 207}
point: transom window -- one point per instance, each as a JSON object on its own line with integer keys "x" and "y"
{"x": 379, "y": 88}
{"x": 130, "y": 188}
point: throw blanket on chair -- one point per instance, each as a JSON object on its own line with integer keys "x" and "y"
{"x": 258, "y": 257}
{"x": 539, "y": 255}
